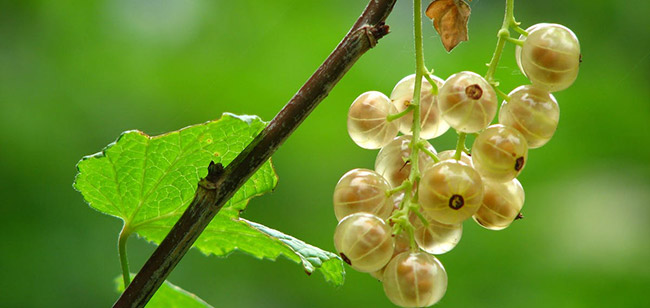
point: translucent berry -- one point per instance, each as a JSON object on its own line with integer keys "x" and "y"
{"x": 499, "y": 153}
{"x": 362, "y": 190}
{"x": 415, "y": 279}
{"x": 533, "y": 112}
{"x": 502, "y": 203}
{"x": 450, "y": 154}
{"x": 367, "y": 123}
{"x": 431, "y": 123}
{"x": 550, "y": 56}
{"x": 450, "y": 191}
{"x": 393, "y": 161}
{"x": 467, "y": 102}
{"x": 402, "y": 244}
{"x": 436, "y": 238}
{"x": 364, "y": 242}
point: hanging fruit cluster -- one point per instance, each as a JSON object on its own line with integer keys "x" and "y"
{"x": 395, "y": 218}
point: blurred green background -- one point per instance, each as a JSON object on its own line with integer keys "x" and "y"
{"x": 74, "y": 74}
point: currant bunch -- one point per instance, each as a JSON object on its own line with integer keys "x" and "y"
{"x": 393, "y": 220}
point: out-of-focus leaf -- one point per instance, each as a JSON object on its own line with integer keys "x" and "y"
{"x": 169, "y": 296}
{"x": 450, "y": 21}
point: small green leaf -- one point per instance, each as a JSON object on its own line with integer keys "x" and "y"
{"x": 311, "y": 257}
{"x": 148, "y": 182}
{"x": 169, "y": 296}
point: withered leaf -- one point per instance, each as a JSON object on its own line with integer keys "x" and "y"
{"x": 450, "y": 20}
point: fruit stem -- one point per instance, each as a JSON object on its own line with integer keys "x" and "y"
{"x": 401, "y": 216}
{"x": 502, "y": 36}
{"x": 419, "y": 69}
{"x": 395, "y": 116}
{"x": 460, "y": 145}
{"x": 515, "y": 41}
{"x": 121, "y": 251}
{"x": 423, "y": 219}
{"x": 426, "y": 151}
{"x": 519, "y": 29}
{"x": 434, "y": 86}
{"x": 501, "y": 93}
{"x": 404, "y": 186}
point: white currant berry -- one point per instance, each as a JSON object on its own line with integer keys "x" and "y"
{"x": 550, "y": 56}
{"x": 431, "y": 124}
{"x": 467, "y": 102}
{"x": 500, "y": 153}
{"x": 393, "y": 160}
{"x": 364, "y": 241}
{"x": 401, "y": 244}
{"x": 415, "y": 279}
{"x": 502, "y": 203}
{"x": 362, "y": 190}
{"x": 436, "y": 238}
{"x": 451, "y": 154}
{"x": 450, "y": 191}
{"x": 533, "y": 111}
{"x": 367, "y": 123}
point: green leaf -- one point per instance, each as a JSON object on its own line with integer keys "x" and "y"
{"x": 169, "y": 296}
{"x": 148, "y": 182}
{"x": 311, "y": 257}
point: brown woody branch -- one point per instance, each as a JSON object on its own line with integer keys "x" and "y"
{"x": 220, "y": 184}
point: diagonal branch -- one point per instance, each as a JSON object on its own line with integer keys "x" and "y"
{"x": 220, "y": 184}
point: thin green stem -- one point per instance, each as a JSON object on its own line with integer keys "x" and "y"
{"x": 395, "y": 116}
{"x": 501, "y": 93}
{"x": 400, "y": 217}
{"x": 404, "y": 186}
{"x": 515, "y": 41}
{"x": 121, "y": 250}
{"x": 434, "y": 86}
{"x": 502, "y": 36}
{"x": 419, "y": 69}
{"x": 423, "y": 219}
{"x": 519, "y": 29}
{"x": 460, "y": 145}
{"x": 429, "y": 153}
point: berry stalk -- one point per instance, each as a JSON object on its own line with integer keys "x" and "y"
{"x": 419, "y": 69}
{"x": 502, "y": 36}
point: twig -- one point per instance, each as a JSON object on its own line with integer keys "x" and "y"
{"x": 220, "y": 184}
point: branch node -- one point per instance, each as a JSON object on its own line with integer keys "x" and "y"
{"x": 215, "y": 171}
{"x": 374, "y": 32}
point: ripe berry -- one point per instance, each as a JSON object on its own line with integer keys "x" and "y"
{"x": 415, "y": 279}
{"x": 436, "y": 238}
{"x": 502, "y": 203}
{"x": 431, "y": 123}
{"x": 362, "y": 190}
{"x": 402, "y": 244}
{"x": 450, "y": 191}
{"x": 499, "y": 153}
{"x": 393, "y": 161}
{"x": 367, "y": 123}
{"x": 550, "y": 56}
{"x": 533, "y": 112}
{"x": 364, "y": 241}
{"x": 467, "y": 102}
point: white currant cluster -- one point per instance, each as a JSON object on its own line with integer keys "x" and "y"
{"x": 392, "y": 223}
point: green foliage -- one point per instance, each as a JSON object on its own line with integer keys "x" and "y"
{"x": 170, "y": 296}
{"x": 149, "y": 181}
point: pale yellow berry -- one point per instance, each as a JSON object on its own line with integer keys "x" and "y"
{"x": 431, "y": 123}
{"x": 368, "y": 125}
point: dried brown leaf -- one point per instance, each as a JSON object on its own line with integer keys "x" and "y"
{"x": 450, "y": 20}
